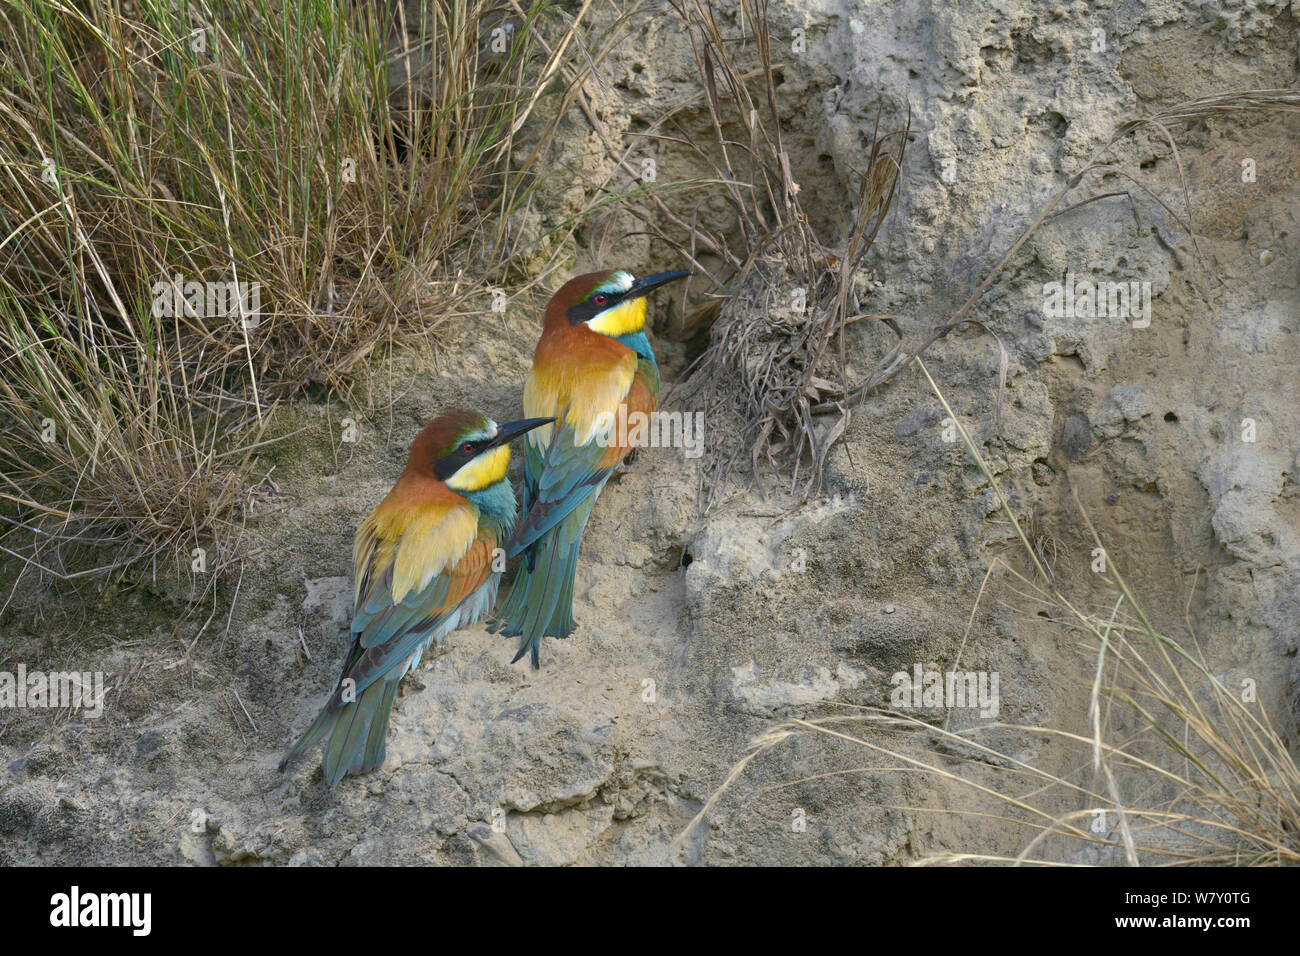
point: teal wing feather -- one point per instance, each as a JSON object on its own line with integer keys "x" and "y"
{"x": 555, "y": 484}
{"x": 560, "y": 488}
{"x": 385, "y": 636}
{"x": 561, "y": 485}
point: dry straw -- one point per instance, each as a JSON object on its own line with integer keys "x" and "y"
{"x": 361, "y": 169}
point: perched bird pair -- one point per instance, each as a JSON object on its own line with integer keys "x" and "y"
{"x": 423, "y": 560}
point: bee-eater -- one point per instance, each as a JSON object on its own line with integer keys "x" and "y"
{"x": 593, "y": 366}
{"x": 423, "y": 566}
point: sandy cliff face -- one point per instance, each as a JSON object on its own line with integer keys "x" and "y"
{"x": 697, "y": 634}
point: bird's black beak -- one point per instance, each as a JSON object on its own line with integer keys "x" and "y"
{"x": 512, "y": 430}
{"x": 647, "y": 284}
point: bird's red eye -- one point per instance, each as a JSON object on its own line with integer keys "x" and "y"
{"x": 600, "y": 298}
{"x": 467, "y": 447}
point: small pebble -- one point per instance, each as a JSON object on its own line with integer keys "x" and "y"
{"x": 928, "y": 245}
{"x": 1266, "y": 257}
{"x": 889, "y": 609}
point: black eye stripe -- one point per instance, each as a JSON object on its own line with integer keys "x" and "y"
{"x": 450, "y": 463}
{"x": 584, "y": 311}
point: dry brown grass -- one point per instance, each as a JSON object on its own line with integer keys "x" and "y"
{"x": 776, "y": 355}
{"x": 367, "y": 182}
{"x": 771, "y": 364}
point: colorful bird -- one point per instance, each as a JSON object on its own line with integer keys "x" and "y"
{"x": 423, "y": 564}
{"x": 593, "y": 368}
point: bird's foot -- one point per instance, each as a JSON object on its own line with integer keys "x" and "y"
{"x": 626, "y": 465}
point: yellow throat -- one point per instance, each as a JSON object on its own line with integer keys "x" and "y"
{"x": 481, "y": 471}
{"x": 626, "y": 317}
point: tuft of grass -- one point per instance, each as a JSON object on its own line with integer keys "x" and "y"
{"x": 771, "y": 364}
{"x": 771, "y": 360}
{"x": 106, "y": 457}
{"x": 357, "y": 166}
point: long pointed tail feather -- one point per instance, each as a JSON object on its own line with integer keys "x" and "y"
{"x": 358, "y": 732}
{"x": 319, "y": 727}
{"x": 540, "y": 603}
